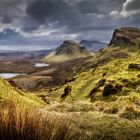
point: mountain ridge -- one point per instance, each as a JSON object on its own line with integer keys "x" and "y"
{"x": 67, "y": 51}
{"x": 129, "y": 36}
{"x": 93, "y": 45}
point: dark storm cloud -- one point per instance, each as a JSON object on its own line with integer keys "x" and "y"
{"x": 60, "y": 19}
{"x": 6, "y": 19}
{"x": 45, "y": 12}
{"x": 29, "y": 25}
{"x": 11, "y": 8}
{"x": 72, "y": 14}
{"x": 50, "y": 9}
{"x": 66, "y": 9}
{"x": 132, "y": 5}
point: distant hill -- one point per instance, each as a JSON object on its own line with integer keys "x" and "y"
{"x": 93, "y": 45}
{"x": 67, "y": 51}
{"x": 15, "y": 55}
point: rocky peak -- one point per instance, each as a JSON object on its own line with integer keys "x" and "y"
{"x": 70, "y": 42}
{"x": 70, "y": 48}
{"x": 129, "y": 36}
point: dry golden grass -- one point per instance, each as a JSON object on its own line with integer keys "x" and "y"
{"x": 30, "y": 124}
{"x": 130, "y": 112}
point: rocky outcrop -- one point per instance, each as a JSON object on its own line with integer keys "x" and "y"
{"x": 109, "y": 90}
{"x": 71, "y": 48}
{"x": 126, "y": 36}
{"x": 134, "y": 66}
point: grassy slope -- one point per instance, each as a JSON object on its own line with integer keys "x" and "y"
{"x": 116, "y": 70}
{"x": 61, "y": 58}
{"x": 104, "y": 117}
{"x": 10, "y": 94}
{"x": 97, "y": 119}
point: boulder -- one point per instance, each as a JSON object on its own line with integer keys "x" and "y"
{"x": 109, "y": 89}
{"x": 67, "y": 91}
{"x": 96, "y": 88}
{"x": 134, "y": 66}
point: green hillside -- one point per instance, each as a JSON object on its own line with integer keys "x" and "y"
{"x": 9, "y": 94}
{"x": 124, "y": 80}
{"x": 104, "y": 103}
{"x": 101, "y": 102}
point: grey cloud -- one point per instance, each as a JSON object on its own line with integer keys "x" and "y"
{"x": 99, "y": 6}
{"x": 73, "y": 14}
{"x": 132, "y": 5}
{"x": 49, "y": 9}
{"x": 6, "y": 19}
{"x": 131, "y": 8}
{"x": 11, "y": 8}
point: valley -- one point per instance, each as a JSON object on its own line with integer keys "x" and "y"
{"x": 97, "y": 93}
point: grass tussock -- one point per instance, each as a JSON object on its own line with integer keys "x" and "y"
{"x": 130, "y": 112}
{"x": 27, "y": 124}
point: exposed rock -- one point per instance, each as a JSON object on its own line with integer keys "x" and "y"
{"x": 70, "y": 79}
{"x": 109, "y": 89}
{"x": 67, "y": 91}
{"x": 134, "y": 66}
{"x": 71, "y": 48}
{"x": 96, "y": 88}
{"x": 101, "y": 82}
{"x": 93, "y": 91}
{"x": 104, "y": 74}
{"x": 125, "y": 36}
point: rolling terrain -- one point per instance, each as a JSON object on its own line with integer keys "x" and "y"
{"x": 105, "y": 96}
{"x": 64, "y": 64}
{"x": 20, "y": 61}
{"x": 98, "y": 94}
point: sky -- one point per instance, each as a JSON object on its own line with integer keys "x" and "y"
{"x": 44, "y": 24}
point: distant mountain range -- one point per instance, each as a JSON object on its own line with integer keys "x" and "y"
{"x": 93, "y": 45}
{"x": 15, "y": 55}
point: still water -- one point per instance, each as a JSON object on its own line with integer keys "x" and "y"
{"x": 9, "y": 75}
{"x": 41, "y": 65}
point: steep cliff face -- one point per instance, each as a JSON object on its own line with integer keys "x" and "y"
{"x": 126, "y": 36}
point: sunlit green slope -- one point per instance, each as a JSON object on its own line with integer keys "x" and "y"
{"x": 9, "y": 94}
{"x": 116, "y": 72}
